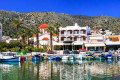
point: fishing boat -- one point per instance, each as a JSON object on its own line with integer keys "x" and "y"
{"x": 58, "y": 58}
{"x": 65, "y": 57}
{"x": 80, "y": 57}
{"x": 45, "y": 58}
{"x": 100, "y": 57}
{"x": 36, "y": 58}
{"x": 72, "y": 57}
{"x": 109, "y": 56}
{"x": 89, "y": 57}
{"x": 118, "y": 57}
{"x": 51, "y": 58}
{"x": 9, "y": 57}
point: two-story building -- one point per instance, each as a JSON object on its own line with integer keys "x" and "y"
{"x": 96, "y": 42}
{"x": 112, "y": 41}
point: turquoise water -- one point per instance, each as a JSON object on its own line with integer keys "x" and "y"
{"x": 61, "y": 70}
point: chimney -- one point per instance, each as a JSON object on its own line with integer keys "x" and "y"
{"x": 76, "y": 24}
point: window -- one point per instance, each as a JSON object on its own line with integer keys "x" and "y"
{"x": 81, "y": 32}
{"x": 81, "y": 39}
{"x": 68, "y": 39}
{"x": 76, "y": 32}
{"x": 68, "y": 32}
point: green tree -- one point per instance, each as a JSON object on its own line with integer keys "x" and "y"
{"x": 57, "y": 25}
{"x": 37, "y": 31}
{"x": 51, "y": 31}
{"x": 28, "y": 31}
{"x": 16, "y": 23}
{"x": 23, "y": 35}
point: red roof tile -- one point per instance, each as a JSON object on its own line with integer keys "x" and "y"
{"x": 45, "y": 38}
{"x": 44, "y": 26}
{"x": 54, "y": 35}
{"x": 34, "y": 35}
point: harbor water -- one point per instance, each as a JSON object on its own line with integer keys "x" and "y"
{"x": 61, "y": 70}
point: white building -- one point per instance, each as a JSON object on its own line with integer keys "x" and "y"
{"x": 72, "y": 37}
{"x": 96, "y": 42}
{"x": 44, "y": 38}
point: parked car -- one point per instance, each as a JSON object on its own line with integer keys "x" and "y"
{"x": 83, "y": 52}
{"x": 118, "y": 51}
{"x": 74, "y": 52}
{"x": 66, "y": 52}
{"x": 111, "y": 51}
{"x": 91, "y": 51}
{"x": 50, "y": 52}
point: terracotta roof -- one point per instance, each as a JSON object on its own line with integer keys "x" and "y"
{"x": 34, "y": 35}
{"x": 54, "y": 35}
{"x": 44, "y": 26}
{"x": 45, "y": 38}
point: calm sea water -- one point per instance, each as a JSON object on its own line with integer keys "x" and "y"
{"x": 61, "y": 70}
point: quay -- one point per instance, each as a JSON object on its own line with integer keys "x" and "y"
{"x": 58, "y": 54}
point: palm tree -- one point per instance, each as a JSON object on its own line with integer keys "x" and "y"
{"x": 57, "y": 25}
{"x": 28, "y": 31}
{"x": 51, "y": 31}
{"x": 23, "y": 34}
{"x": 16, "y": 23}
{"x": 37, "y": 31}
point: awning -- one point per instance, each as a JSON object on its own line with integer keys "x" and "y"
{"x": 78, "y": 43}
{"x": 94, "y": 44}
{"x": 112, "y": 43}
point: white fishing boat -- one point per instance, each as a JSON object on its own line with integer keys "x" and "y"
{"x": 80, "y": 57}
{"x": 9, "y": 57}
{"x": 65, "y": 57}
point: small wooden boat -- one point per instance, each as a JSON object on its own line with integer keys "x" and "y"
{"x": 80, "y": 57}
{"x": 51, "y": 58}
{"x": 45, "y": 58}
{"x": 58, "y": 58}
{"x": 36, "y": 58}
{"x": 72, "y": 57}
{"x": 65, "y": 57}
{"x": 109, "y": 56}
{"x": 118, "y": 57}
{"x": 9, "y": 57}
{"x": 89, "y": 57}
{"x": 100, "y": 57}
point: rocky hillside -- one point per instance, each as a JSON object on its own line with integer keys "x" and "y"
{"x": 35, "y": 19}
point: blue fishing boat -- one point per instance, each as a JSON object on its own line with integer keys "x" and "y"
{"x": 100, "y": 57}
{"x": 109, "y": 56}
{"x": 58, "y": 58}
{"x": 51, "y": 58}
{"x": 118, "y": 57}
{"x": 72, "y": 57}
{"x": 9, "y": 57}
{"x": 36, "y": 58}
{"x": 89, "y": 57}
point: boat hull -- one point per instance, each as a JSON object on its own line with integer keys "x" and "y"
{"x": 58, "y": 58}
{"x": 35, "y": 58}
{"x": 51, "y": 58}
{"x": 81, "y": 58}
{"x": 11, "y": 60}
{"x": 89, "y": 58}
{"x": 100, "y": 58}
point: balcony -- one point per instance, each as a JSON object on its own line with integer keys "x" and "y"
{"x": 83, "y": 35}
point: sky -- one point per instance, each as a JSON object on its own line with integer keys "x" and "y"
{"x": 73, "y": 7}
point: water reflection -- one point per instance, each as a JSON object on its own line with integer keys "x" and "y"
{"x": 61, "y": 70}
